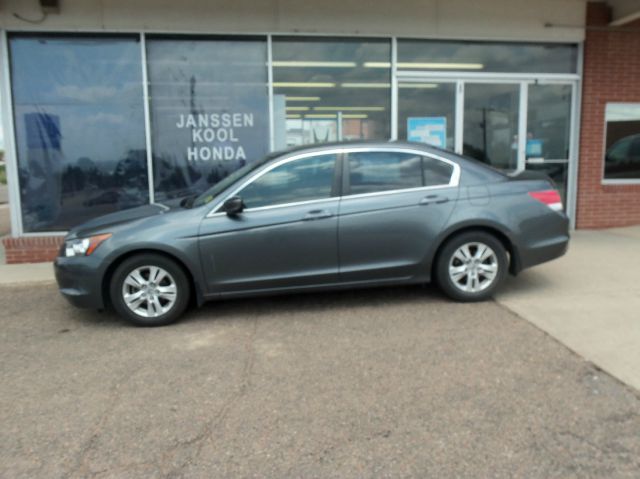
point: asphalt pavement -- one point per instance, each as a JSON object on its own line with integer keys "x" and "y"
{"x": 378, "y": 383}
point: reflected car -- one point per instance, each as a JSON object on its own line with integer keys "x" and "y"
{"x": 338, "y": 216}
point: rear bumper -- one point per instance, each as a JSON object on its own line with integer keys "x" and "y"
{"x": 78, "y": 282}
{"x": 543, "y": 240}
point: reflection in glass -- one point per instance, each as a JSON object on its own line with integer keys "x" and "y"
{"x": 491, "y": 123}
{"x": 79, "y": 120}
{"x": 300, "y": 180}
{"x": 427, "y": 101}
{"x": 622, "y": 157}
{"x": 549, "y": 122}
{"x": 324, "y": 90}
{"x": 209, "y": 110}
{"x": 427, "y": 55}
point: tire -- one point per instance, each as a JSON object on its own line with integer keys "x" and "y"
{"x": 473, "y": 276}
{"x": 151, "y": 302}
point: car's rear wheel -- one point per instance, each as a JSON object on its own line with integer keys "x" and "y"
{"x": 471, "y": 266}
{"x": 149, "y": 290}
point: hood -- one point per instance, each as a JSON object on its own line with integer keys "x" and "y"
{"x": 101, "y": 223}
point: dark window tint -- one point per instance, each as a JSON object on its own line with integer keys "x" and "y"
{"x": 299, "y": 180}
{"x": 209, "y": 110}
{"x": 622, "y": 157}
{"x": 436, "y": 172}
{"x": 370, "y": 172}
{"x": 79, "y": 120}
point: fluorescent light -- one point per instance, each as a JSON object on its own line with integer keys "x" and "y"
{"x": 334, "y": 115}
{"x": 293, "y": 116}
{"x": 290, "y": 84}
{"x": 418, "y": 85}
{"x": 302, "y": 98}
{"x": 442, "y": 66}
{"x": 349, "y": 108}
{"x": 365, "y": 85}
{"x": 312, "y": 64}
{"x": 297, "y": 108}
{"x": 377, "y": 65}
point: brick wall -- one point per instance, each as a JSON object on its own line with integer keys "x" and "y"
{"x": 611, "y": 74}
{"x": 33, "y": 249}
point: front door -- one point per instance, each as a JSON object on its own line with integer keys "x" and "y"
{"x": 285, "y": 237}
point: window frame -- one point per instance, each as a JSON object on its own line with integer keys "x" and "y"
{"x": 340, "y": 176}
{"x": 614, "y": 181}
{"x": 346, "y": 177}
{"x": 335, "y": 186}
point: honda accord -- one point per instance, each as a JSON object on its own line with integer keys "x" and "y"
{"x": 325, "y": 217}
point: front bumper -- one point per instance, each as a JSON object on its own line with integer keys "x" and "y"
{"x": 79, "y": 282}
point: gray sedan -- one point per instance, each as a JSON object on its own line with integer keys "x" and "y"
{"x": 336, "y": 216}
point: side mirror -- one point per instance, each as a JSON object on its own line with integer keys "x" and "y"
{"x": 233, "y": 206}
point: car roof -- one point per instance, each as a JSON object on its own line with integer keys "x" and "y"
{"x": 359, "y": 143}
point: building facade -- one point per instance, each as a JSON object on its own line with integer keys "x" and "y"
{"x": 112, "y": 105}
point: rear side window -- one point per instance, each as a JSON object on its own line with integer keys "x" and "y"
{"x": 371, "y": 172}
{"x": 299, "y": 180}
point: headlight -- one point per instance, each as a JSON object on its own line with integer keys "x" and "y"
{"x": 84, "y": 246}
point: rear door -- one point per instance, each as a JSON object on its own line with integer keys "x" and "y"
{"x": 285, "y": 237}
{"x": 395, "y": 203}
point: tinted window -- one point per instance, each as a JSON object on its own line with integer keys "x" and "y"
{"x": 370, "y": 172}
{"x": 300, "y": 180}
{"x": 79, "y": 120}
{"x": 436, "y": 172}
{"x": 622, "y": 157}
{"x": 209, "y": 110}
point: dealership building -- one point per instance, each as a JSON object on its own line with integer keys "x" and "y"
{"x": 108, "y": 105}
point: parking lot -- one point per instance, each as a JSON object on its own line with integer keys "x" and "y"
{"x": 376, "y": 383}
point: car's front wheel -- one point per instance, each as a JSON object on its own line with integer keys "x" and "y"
{"x": 149, "y": 290}
{"x": 471, "y": 266}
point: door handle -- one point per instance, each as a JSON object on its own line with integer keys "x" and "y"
{"x": 431, "y": 199}
{"x": 317, "y": 215}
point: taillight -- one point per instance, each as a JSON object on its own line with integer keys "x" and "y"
{"x": 551, "y": 198}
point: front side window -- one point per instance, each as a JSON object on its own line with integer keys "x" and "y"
{"x": 371, "y": 172}
{"x": 622, "y": 156}
{"x": 299, "y": 180}
{"x": 79, "y": 121}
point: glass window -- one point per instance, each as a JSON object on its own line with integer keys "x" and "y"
{"x": 622, "y": 156}
{"x": 436, "y": 172}
{"x": 427, "y": 55}
{"x": 299, "y": 180}
{"x": 491, "y": 123}
{"x": 426, "y": 113}
{"x": 209, "y": 110}
{"x": 549, "y": 122}
{"x": 330, "y": 90}
{"x": 370, "y": 172}
{"x": 79, "y": 121}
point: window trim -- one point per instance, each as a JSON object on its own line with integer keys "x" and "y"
{"x": 341, "y": 153}
{"x": 614, "y": 181}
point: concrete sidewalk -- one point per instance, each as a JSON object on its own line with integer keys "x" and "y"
{"x": 589, "y": 300}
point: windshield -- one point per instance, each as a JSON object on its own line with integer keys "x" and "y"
{"x": 210, "y": 194}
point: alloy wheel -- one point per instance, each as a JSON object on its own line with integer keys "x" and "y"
{"x": 149, "y": 291}
{"x": 473, "y": 267}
